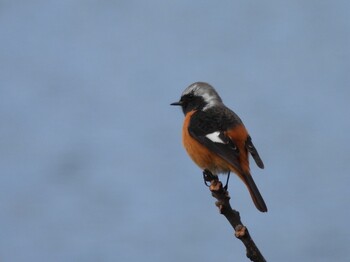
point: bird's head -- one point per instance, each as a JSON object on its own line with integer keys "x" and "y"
{"x": 198, "y": 96}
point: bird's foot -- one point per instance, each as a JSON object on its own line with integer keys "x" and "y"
{"x": 228, "y": 178}
{"x": 208, "y": 177}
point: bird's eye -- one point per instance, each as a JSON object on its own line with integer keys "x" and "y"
{"x": 190, "y": 95}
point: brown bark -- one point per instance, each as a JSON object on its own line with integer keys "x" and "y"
{"x": 233, "y": 217}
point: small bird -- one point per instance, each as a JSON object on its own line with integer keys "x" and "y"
{"x": 215, "y": 137}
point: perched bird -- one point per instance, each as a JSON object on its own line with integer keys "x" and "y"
{"x": 215, "y": 137}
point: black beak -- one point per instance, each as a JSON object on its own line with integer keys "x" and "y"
{"x": 176, "y": 103}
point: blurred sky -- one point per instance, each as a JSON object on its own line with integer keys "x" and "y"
{"x": 92, "y": 166}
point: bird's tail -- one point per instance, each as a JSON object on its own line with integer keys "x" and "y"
{"x": 254, "y": 193}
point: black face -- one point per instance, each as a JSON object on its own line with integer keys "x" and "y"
{"x": 190, "y": 102}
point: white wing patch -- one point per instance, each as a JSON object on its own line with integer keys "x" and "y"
{"x": 215, "y": 137}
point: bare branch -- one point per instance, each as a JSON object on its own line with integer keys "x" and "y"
{"x": 223, "y": 203}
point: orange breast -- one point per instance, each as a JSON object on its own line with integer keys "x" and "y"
{"x": 208, "y": 160}
{"x": 200, "y": 154}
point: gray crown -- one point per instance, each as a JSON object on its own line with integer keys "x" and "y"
{"x": 209, "y": 94}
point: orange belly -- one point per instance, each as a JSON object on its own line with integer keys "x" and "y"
{"x": 208, "y": 160}
{"x": 200, "y": 154}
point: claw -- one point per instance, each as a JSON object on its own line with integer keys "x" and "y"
{"x": 208, "y": 177}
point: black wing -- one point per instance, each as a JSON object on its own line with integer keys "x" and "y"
{"x": 227, "y": 150}
{"x": 252, "y": 150}
{"x": 216, "y": 120}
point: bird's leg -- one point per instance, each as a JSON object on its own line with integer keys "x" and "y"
{"x": 208, "y": 177}
{"x": 228, "y": 178}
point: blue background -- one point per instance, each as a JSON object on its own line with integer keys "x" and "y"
{"x": 92, "y": 166}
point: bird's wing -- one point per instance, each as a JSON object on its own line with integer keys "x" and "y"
{"x": 252, "y": 150}
{"x": 220, "y": 144}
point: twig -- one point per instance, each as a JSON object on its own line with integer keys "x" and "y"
{"x": 223, "y": 203}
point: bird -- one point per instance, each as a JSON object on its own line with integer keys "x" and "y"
{"x": 216, "y": 139}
